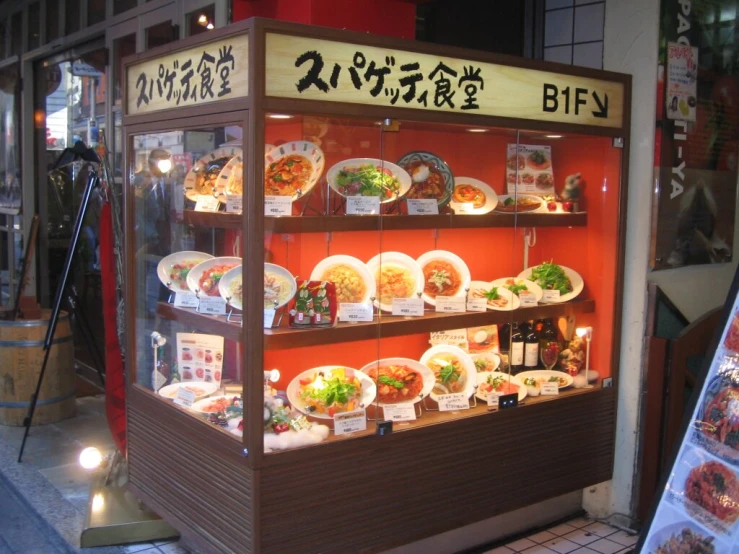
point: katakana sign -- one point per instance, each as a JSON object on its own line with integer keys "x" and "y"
{"x": 207, "y": 73}
{"x": 315, "y": 69}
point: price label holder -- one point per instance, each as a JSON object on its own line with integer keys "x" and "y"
{"x": 508, "y": 401}
{"x": 278, "y": 205}
{"x": 400, "y": 412}
{"x": 185, "y": 300}
{"x": 477, "y": 304}
{"x": 527, "y": 298}
{"x": 234, "y": 203}
{"x": 185, "y": 397}
{"x": 550, "y": 389}
{"x": 451, "y": 304}
{"x": 453, "y": 402}
{"x": 384, "y": 428}
{"x": 207, "y": 203}
{"x": 212, "y": 305}
{"x": 350, "y": 422}
{"x": 493, "y": 399}
{"x": 355, "y": 312}
{"x": 551, "y": 296}
{"x": 409, "y": 307}
{"x": 269, "y": 317}
{"x": 363, "y": 205}
{"x": 464, "y": 208}
{"x": 422, "y": 206}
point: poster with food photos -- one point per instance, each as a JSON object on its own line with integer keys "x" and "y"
{"x": 698, "y": 509}
{"x": 529, "y": 170}
{"x": 200, "y": 357}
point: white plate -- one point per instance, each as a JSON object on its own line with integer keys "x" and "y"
{"x": 164, "y": 267}
{"x": 301, "y": 148}
{"x": 456, "y": 261}
{"x": 395, "y": 259}
{"x": 369, "y": 389}
{"x": 464, "y": 358}
{"x": 539, "y": 373}
{"x": 354, "y": 263}
{"x": 491, "y": 199}
{"x": 664, "y": 534}
{"x": 490, "y": 357}
{"x": 193, "y": 278}
{"x": 513, "y": 302}
{"x": 574, "y": 277}
{"x": 191, "y": 178}
{"x": 401, "y": 174}
{"x": 503, "y": 197}
{"x": 279, "y": 270}
{"x": 530, "y": 285}
{"x": 514, "y": 379}
{"x": 426, "y": 373}
{"x": 236, "y": 166}
{"x": 427, "y": 159}
{"x": 200, "y": 404}
{"x": 170, "y": 391}
{"x": 224, "y": 287}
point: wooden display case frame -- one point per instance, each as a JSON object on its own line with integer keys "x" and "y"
{"x": 225, "y": 495}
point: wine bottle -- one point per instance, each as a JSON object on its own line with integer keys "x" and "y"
{"x": 531, "y": 347}
{"x": 517, "y": 347}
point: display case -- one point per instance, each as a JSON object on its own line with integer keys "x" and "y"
{"x": 366, "y": 278}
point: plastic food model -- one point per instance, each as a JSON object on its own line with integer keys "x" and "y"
{"x": 314, "y": 304}
{"x": 571, "y": 193}
{"x": 286, "y": 428}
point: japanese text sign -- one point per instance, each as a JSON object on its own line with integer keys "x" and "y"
{"x": 313, "y": 69}
{"x": 207, "y": 73}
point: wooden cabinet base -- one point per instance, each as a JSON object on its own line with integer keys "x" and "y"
{"x": 365, "y": 494}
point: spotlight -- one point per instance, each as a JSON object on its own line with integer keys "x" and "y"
{"x": 91, "y": 458}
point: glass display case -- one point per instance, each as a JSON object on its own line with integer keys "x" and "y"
{"x": 319, "y": 284}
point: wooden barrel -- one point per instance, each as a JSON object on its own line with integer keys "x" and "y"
{"x": 21, "y": 356}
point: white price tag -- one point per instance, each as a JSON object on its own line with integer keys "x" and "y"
{"x": 410, "y": 307}
{"x": 355, "y": 312}
{"x": 207, "y": 204}
{"x": 492, "y": 398}
{"x": 423, "y": 206}
{"x": 350, "y": 422}
{"x": 185, "y": 397}
{"x": 527, "y": 298}
{"x": 550, "y": 389}
{"x": 185, "y": 300}
{"x": 363, "y": 205}
{"x": 551, "y": 295}
{"x": 462, "y": 208}
{"x": 453, "y": 402}
{"x": 400, "y": 412}
{"x": 269, "y": 317}
{"x": 451, "y": 304}
{"x": 212, "y": 305}
{"x": 234, "y": 203}
{"x": 278, "y": 205}
{"x": 477, "y": 304}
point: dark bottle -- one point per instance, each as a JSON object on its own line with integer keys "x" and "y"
{"x": 517, "y": 347}
{"x": 549, "y": 332}
{"x": 504, "y": 337}
{"x": 549, "y": 345}
{"x": 531, "y": 347}
{"x": 539, "y": 326}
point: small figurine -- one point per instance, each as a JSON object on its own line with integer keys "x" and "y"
{"x": 571, "y": 193}
{"x": 572, "y": 358}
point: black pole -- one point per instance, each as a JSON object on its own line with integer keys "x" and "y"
{"x": 92, "y": 183}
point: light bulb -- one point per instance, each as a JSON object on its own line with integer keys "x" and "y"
{"x": 210, "y": 26}
{"x": 273, "y": 375}
{"x": 164, "y": 165}
{"x": 581, "y": 332}
{"x": 203, "y": 19}
{"x": 91, "y": 458}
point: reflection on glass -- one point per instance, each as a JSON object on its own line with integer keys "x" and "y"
{"x": 201, "y": 20}
{"x": 34, "y": 26}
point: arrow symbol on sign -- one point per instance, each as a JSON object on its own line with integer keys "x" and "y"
{"x": 602, "y": 107}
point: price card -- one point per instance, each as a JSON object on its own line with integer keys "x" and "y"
{"x": 453, "y": 402}
{"x": 207, "y": 204}
{"x": 185, "y": 397}
{"x": 269, "y": 317}
{"x": 423, "y": 206}
{"x": 212, "y": 305}
{"x": 551, "y": 296}
{"x": 400, "y": 412}
{"x": 451, "y": 304}
{"x": 185, "y": 300}
{"x": 350, "y": 422}
{"x": 492, "y": 398}
{"x": 477, "y": 304}
{"x": 527, "y": 298}
{"x": 234, "y": 203}
{"x": 462, "y": 208}
{"x": 278, "y": 205}
{"x": 550, "y": 389}
{"x": 355, "y": 312}
{"x": 411, "y": 307}
{"x": 363, "y": 205}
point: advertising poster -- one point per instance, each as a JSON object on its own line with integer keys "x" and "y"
{"x": 200, "y": 357}
{"x": 529, "y": 169}
{"x": 682, "y": 81}
{"x": 698, "y": 508}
